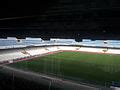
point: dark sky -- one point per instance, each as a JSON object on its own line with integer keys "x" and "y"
{"x": 61, "y": 19}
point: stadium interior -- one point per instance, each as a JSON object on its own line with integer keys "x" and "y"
{"x": 60, "y": 45}
{"x": 27, "y": 49}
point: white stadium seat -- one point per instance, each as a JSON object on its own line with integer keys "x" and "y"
{"x": 36, "y": 51}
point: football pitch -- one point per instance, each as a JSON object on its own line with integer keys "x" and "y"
{"x": 78, "y": 66}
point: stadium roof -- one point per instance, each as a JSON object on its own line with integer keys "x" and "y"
{"x": 61, "y": 19}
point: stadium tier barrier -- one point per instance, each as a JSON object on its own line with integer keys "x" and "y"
{"x": 17, "y": 54}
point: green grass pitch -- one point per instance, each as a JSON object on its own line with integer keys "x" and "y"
{"x": 97, "y": 68}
